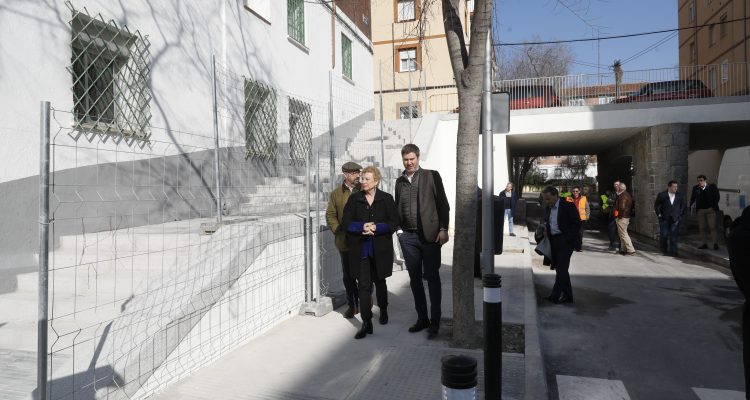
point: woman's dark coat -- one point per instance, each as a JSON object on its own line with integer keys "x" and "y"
{"x": 382, "y": 210}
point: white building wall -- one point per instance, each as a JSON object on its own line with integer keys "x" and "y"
{"x": 35, "y": 52}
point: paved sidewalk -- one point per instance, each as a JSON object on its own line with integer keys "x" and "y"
{"x": 317, "y": 358}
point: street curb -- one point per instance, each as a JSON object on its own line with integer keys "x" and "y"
{"x": 536, "y": 375}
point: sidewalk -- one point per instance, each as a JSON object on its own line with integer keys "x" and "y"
{"x": 317, "y": 358}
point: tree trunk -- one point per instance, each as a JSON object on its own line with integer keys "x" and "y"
{"x": 468, "y": 72}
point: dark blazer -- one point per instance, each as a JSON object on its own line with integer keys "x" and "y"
{"x": 383, "y": 212}
{"x": 739, "y": 252}
{"x": 664, "y": 209}
{"x": 513, "y": 199}
{"x": 711, "y": 196}
{"x": 569, "y": 222}
{"x": 434, "y": 210}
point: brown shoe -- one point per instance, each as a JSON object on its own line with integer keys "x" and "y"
{"x": 629, "y": 254}
{"x": 349, "y": 313}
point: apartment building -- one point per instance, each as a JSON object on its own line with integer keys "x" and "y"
{"x": 410, "y": 62}
{"x": 715, "y": 43}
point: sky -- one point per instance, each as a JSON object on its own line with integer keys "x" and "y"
{"x": 520, "y": 20}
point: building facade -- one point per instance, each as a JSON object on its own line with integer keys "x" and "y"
{"x": 411, "y": 64}
{"x": 714, "y": 40}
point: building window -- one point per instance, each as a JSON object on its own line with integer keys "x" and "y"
{"x": 693, "y": 54}
{"x": 558, "y": 172}
{"x": 691, "y": 12}
{"x": 406, "y": 10}
{"x": 109, "y": 67}
{"x": 542, "y": 157}
{"x": 406, "y": 112}
{"x": 260, "y": 121}
{"x": 711, "y": 35}
{"x": 407, "y": 59}
{"x": 712, "y": 78}
{"x": 723, "y": 25}
{"x": 300, "y": 130}
{"x": 296, "y": 20}
{"x": 346, "y": 56}
{"x": 470, "y": 6}
{"x": 724, "y": 71}
{"x": 543, "y": 173}
{"x": 261, "y": 8}
{"x": 558, "y": 157}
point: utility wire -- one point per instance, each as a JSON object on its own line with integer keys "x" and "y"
{"x": 622, "y": 36}
{"x": 649, "y": 48}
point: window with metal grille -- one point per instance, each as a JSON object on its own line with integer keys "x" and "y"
{"x": 407, "y": 59}
{"x": 346, "y": 56}
{"x": 300, "y": 130}
{"x": 296, "y": 20}
{"x": 406, "y": 10}
{"x": 109, "y": 67}
{"x": 405, "y": 111}
{"x": 261, "y": 134}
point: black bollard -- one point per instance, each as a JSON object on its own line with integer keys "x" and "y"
{"x": 493, "y": 337}
{"x": 459, "y": 378}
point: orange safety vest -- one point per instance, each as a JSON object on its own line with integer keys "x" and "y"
{"x": 581, "y": 205}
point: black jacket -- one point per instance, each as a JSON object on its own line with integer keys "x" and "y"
{"x": 382, "y": 211}
{"x": 739, "y": 252}
{"x": 664, "y": 209}
{"x": 569, "y": 222}
{"x": 434, "y": 210}
{"x": 706, "y": 198}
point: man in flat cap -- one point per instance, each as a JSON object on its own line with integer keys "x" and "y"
{"x": 334, "y": 215}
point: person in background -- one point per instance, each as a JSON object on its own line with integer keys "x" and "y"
{"x": 705, "y": 201}
{"x": 622, "y": 211}
{"x": 669, "y": 207}
{"x": 614, "y": 238}
{"x": 584, "y": 211}
{"x": 334, "y": 215}
{"x": 739, "y": 262}
{"x": 371, "y": 219}
{"x": 508, "y": 196}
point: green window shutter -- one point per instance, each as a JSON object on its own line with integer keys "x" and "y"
{"x": 296, "y": 20}
{"x": 346, "y": 56}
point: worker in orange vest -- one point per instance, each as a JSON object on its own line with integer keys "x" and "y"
{"x": 584, "y": 211}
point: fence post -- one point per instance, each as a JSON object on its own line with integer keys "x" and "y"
{"x": 44, "y": 160}
{"x": 308, "y": 235}
{"x": 493, "y": 336}
{"x": 331, "y": 132}
{"x": 216, "y": 141}
{"x": 318, "y": 247}
{"x": 380, "y": 97}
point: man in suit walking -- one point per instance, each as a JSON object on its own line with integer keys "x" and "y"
{"x": 669, "y": 207}
{"x": 563, "y": 227}
{"x": 423, "y": 208}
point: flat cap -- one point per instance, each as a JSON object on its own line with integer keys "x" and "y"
{"x": 350, "y": 167}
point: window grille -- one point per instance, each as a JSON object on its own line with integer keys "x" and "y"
{"x": 346, "y": 56}
{"x": 109, "y": 67}
{"x": 261, "y": 125}
{"x": 296, "y": 20}
{"x": 724, "y": 71}
{"x": 406, "y": 111}
{"x": 408, "y": 59}
{"x": 300, "y": 130}
{"x": 407, "y": 10}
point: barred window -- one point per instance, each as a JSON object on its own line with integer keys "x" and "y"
{"x": 300, "y": 130}
{"x": 296, "y": 20}
{"x": 346, "y": 56}
{"x": 109, "y": 69}
{"x": 261, "y": 132}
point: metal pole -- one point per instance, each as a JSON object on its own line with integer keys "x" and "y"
{"x": 44, "y": 157}
{"x": 493, "y": 336}
{"x": 380, "y": 96}
{"x": 331, "y": 130}
{"x": 308, "y": 236}
{"x": 319, "y": 264}
{"x": 410, "y": 110}
{"x": 488, "y": 232}
{"x": 216, "y": 142}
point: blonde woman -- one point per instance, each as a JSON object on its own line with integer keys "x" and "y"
{"x": 370, "y": 218}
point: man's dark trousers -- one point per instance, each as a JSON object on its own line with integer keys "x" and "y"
{"x": 669, "y": 230}
{"x": 421, "y": 255}
{"x": 350, "y": 284}
{"x": 614, "y": 239}
{"x": 561, "y": 253}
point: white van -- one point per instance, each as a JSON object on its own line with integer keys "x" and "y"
{"x": 734, "y": 184}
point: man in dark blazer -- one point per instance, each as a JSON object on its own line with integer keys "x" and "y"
{"x": 739, "y": 262}
{"x": 563, "y": 225}
{"x": 424, "y": 211}
{"x": 669, "y": 207}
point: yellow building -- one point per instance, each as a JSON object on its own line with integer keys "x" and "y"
{"x": 408, "y": 53}
{"x": 715, "y": 47}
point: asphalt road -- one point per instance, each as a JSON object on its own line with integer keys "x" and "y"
{"x": 641, "y": 328}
